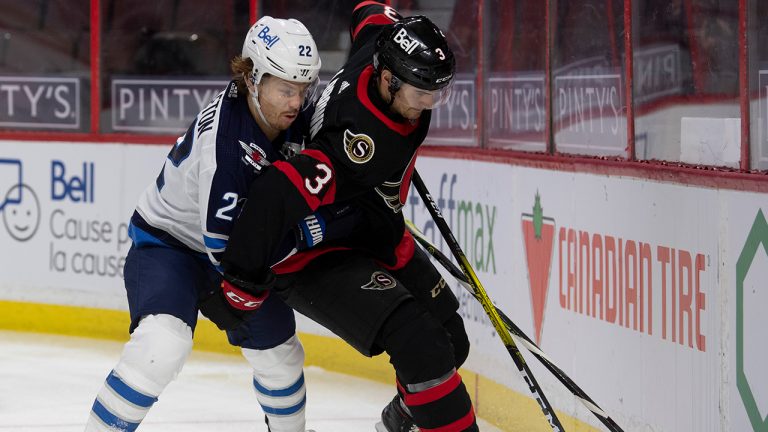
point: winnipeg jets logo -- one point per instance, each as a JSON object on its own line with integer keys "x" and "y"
{"x": 380, "y": 281}
{"x": 358, "y": 147}
{"x": 396, "y": 192}
{"x": 254, "y": 156}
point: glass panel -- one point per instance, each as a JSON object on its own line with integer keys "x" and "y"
{"x": 328, "y": 21}
{"x": 758, "y": 87}
{"x": 515, "y": 96}
{"x": 162, "y": 61}
{"x": 686, "y": 81}
{"x": 44, "y": 65}
{"x": 588, "y": 100}
{"x": 453, "y": 123}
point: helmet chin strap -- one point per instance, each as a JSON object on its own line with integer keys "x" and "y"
{"x": 255, "y": 100}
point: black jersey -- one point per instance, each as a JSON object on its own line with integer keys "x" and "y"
{"x": 359, "y": 152}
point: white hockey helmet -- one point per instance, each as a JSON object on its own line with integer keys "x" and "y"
{"x": 283, "y": 48}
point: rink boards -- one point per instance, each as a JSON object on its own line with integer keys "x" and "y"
{"x": 650, "y": 295}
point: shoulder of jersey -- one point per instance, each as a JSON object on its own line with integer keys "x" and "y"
{"x": 368, "y": 14}
{"x": 345, "y": 96}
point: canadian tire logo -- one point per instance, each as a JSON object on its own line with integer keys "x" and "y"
{"x": 539, "y": 235}
{"x": 747, "y": 382}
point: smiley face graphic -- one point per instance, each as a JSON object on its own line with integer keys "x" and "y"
{"x": 22, "y": 218}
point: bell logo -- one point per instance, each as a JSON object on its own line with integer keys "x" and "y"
{"x": 406, "y": 43}
{"x": 538, "y": 234}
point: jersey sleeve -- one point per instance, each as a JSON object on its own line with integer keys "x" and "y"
{"x": 367, "y": 15}
{"x": 278, "y": 199}
{"x": 220, "y": 194}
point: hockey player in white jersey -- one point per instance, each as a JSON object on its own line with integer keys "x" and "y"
{"x": 180, "y": 229}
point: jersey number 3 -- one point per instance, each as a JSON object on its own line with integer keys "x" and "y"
{"x": 314, "y": 186}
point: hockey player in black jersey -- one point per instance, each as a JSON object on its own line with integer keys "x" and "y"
{"x": 374, "y": 288}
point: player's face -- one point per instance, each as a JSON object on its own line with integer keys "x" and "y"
{"x": 410, "y": 101}
{"x": 281, "y": 100}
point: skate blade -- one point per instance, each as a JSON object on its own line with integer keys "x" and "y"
{"x": 380, "y": 427}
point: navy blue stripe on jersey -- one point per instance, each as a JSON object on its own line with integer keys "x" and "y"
{"x": 178, "y": 153}
{"x": 183, "y": 146}
{"x": 128, "y": 393}
{"x": 290, "y": 390}
{"x": 160, "y": 180}
{"x": 111, "y": 420}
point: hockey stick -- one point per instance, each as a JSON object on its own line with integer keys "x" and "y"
{"x": 479, "y": 293}
{"x": 523, "y": 339}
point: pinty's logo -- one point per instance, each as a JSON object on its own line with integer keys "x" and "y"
{"x": 539, "y": 234}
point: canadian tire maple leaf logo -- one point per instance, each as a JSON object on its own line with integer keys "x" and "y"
{"x": 538, "y": 234}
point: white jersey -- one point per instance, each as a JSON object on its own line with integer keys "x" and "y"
{"x": 204, "y": 183}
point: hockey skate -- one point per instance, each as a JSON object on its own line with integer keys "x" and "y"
{"x": 395, "y": 418}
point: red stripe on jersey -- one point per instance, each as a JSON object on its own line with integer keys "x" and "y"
{"x": 317, "y": 154}
{"x": 298, "y": 182}
{"x": 403, "y": 252}
{"x": 457, "y": 426}
{"x": 367, "y": 3}
{"x": 330, "y": 194}
{"x": 299, "y": 260}
{"x": 404, "y": 129}
{"x": 430, "y": 395}
{"x": 378, "y": 19}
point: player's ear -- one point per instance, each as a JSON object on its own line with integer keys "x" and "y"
{"x": 386, "y": 76}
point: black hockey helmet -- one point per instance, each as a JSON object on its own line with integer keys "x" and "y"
{"x": 416, "y": 52}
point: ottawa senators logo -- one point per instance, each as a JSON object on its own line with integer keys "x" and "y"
{"x": 396, "y": 192}
{"x": 359, "y": 147}
{"x": 380, "y": 281}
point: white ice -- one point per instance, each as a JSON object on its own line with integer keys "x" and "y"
{"x": 48, "y": 383}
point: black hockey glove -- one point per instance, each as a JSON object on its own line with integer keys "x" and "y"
{"x": 229, "y": 306}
